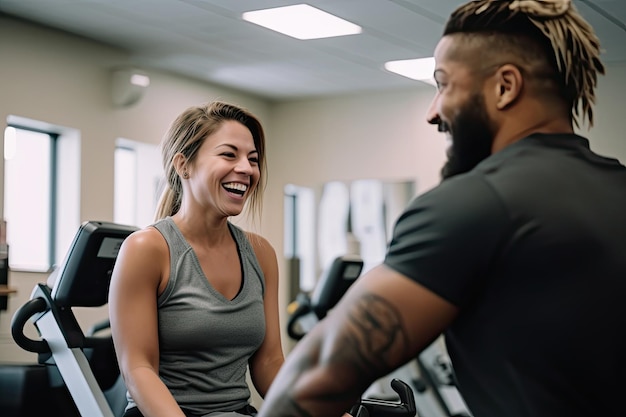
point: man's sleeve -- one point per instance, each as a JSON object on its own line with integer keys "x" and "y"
{"x": 447, "y": 239}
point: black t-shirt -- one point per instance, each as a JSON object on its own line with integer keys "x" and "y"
{"x": 531, "y": 246}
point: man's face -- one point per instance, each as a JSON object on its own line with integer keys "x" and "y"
{"x": 471, "y": 134}
{"x": 460, "y": 110}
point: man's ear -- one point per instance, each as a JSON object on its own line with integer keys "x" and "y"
{"x": 509, "y": 82}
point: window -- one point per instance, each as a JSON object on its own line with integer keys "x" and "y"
{"x": 125, "y": 204}
{"x": 41, "y": 192}
{"x": 138, "y": 173}
{"x": 299, "y": 238}
{"x": 28, "y": 193}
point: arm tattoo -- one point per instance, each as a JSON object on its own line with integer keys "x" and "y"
{"x": 375, "y": 337}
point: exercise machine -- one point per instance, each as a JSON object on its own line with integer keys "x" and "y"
{"x": 307, "y": 310}
{"x": 430, "y": 388}
{"x": 82, "y": 280}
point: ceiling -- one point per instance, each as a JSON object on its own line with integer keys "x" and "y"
{"x": 208, "y": 40}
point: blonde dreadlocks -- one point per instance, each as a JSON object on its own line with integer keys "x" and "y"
{"x": 572, "y": 42}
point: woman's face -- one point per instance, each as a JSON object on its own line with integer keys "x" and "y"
{"x": 225, "y": 171}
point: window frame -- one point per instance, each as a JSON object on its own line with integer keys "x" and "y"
{"x": 51, "y": 246}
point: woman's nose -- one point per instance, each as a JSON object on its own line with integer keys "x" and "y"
{"x": 244, "y": 165}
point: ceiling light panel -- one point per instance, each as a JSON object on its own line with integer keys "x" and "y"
{"x": 421, "y": 69}
{"x": 302, "y": 21}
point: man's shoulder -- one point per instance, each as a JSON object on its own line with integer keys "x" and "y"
{"x": 462, "y": 196}
{"x": 459, "y": 185}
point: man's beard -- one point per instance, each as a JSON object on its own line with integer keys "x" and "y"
{"x": 472, "y": 137}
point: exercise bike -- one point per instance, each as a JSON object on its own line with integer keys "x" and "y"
{"x": 82, "y": 364}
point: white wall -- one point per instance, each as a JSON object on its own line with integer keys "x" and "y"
{"x": 64, "y": 80}
{"x": 607, "y": 135}
{"x": 382, "y": 135}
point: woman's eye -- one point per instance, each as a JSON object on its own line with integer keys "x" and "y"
{"x": 228, "y": 154}
{"x": 254, "y": 160}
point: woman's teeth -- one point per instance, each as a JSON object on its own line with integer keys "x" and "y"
{"x": 236, "y": 187}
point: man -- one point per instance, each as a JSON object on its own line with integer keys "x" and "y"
{"x": 518, "y": 256}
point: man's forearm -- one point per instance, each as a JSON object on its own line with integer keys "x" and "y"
{"x": 330, "y": 368}
{"x": 305, "y": 387}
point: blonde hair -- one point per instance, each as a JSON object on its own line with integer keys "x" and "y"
{"x": 187, "y": 133}
{"x": 571, "y": 45}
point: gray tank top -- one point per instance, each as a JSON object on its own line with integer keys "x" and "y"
{"x": 206, "y": 340}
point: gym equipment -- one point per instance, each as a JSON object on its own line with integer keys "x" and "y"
{"x": 82, "y": 281}
{"x": 431, "y": 391}
{"x": 436, "y": 368}
{"x": 372, "y": 407}
{"x": 85, "y": 363}
{"x": 307, "y": 310}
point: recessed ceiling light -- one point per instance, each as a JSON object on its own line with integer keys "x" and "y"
{"x": 302, "y": 21}
{"x": 140, "y": 80}
{"x": 421, "y": 69}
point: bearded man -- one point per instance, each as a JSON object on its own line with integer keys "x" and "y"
{"x": 518, "y": 257}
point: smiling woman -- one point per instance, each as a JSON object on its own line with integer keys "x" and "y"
{"x": 193, "y": 297}
{"x": 186, "y": 136}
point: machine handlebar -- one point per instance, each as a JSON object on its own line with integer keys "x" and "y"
{"x": 21, "y": 316}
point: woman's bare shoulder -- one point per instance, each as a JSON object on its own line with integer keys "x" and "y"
{"x": 260, "y": 244}
{"x": 147, "y": 240}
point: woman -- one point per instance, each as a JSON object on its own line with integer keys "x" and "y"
{"x": 194, "y": 299}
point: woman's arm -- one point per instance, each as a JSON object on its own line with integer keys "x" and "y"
{"x": 268, "y": 359}
{"x": 142, "y": 263}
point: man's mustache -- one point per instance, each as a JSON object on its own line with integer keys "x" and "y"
{"x": 443, "y": 127}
